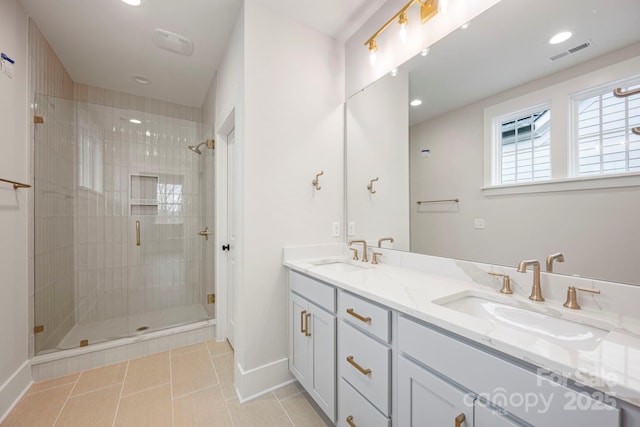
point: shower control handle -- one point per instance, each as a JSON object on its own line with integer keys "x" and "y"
{"x": 226, "y": 247}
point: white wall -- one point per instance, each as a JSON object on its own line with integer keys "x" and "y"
{"x": 597, "y": 230}
{"x": 378, "y": 147}
{"x": 15, "y": 373}
{"x": 293, "y": 128}
{"x": 391, "y": 50}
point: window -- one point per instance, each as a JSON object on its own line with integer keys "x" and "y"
{"x": 604, "y": 142}
{"x": 523, "y": 147}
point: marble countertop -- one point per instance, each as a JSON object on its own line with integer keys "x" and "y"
{"x": 612, "y": 367}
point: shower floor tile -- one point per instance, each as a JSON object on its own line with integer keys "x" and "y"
{"x": 156, "y": 403}
{"x": 121, "y": 327}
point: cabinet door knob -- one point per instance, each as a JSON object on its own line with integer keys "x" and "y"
{"x": 459, "y": 420}
{"x": 358, "y": 316}
{"x": 350, "y": 421}
{"x": 302, "y": 313}
{"x": 358, "y": 367}
{"x": 306, "y": 325}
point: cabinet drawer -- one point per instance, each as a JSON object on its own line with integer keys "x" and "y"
{"x": 358, "y": 409}
{"x": 368, "y": 354}
{"x": 321, "y": 294}
{"x": 489, "y": 375}
{"x": 365, "y": 315}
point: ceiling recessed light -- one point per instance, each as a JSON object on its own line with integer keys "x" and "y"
{"x": 135, "y": 121}
{"x": 560, "y": 37}
{"x": 415, "y": 102}
{"x": 143, "y": 80}
{"x": 132, "y": 2}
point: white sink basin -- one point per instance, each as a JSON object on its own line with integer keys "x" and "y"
{"x": 338, "y": 267}
{"x": 569, "y": 334}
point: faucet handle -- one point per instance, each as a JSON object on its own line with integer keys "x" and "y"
{"x": 572, "y": 298}
{"x": 375, "y": 257}
{"x": 355, "y": 253}
{"x": 506, "y": 282}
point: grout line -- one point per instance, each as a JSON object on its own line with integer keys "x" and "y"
{"x": 65, "y": 402}
{"x": 196, "y": 391}
{"x": 289, "y": 397}
{"x": 153, "y": 387}
{"x": 115, "y": 416}
{"x": 93, "y": 391}
{"x": 215, "y": 371}
{"x": 283, "y": 409}
{"x": 52, "y": 388}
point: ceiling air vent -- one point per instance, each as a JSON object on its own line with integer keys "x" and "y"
{"x": 571, "y": 51}
{"x": 173, "y": 42}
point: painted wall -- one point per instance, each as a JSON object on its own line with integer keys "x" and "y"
{"x": 293, "y": 129}
{"x": 596, "y": 229}
{"x": 378, "y": 147}
{"x": 15, "y": 374}
{"x": 391, "y": 50}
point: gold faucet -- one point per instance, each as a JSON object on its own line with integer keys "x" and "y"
{"x": 384, "y": 239}
{"x": 551, "y": 258}
{"x": 572, "y": 298}
{"x": 536, "y": 291}
{"x": 364, "y": 248}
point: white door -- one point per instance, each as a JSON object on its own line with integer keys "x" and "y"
{"x": 231, "y": 240}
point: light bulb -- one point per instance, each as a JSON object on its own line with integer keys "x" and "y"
{"x": 394, "y": 72}
{"x": 372, "y": 58}
{"x": 402, "y": 23}
{"x": 560, "y": 37}
{"x": 424, "y": 51}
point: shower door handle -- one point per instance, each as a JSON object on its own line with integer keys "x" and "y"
{"x": 205, "y": 233}
{"x": 137, "y": 233}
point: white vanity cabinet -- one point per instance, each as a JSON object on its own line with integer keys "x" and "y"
{"x": 520, "y": 392}
{"x": 364, "y": 362}
{"x": 312, "y": 339}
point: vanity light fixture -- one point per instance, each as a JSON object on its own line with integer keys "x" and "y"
{"x": 132, "y": 2}
{"x": 561, "y": 37}
{"x": 416, "y": 102}
{"x": 428, "y": 9}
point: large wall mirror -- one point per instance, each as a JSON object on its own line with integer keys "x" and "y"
{"x": 436, "y": 153}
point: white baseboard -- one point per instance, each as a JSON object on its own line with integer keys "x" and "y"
{"x": 14, "y": 388}
{"x": 253, "y": 383}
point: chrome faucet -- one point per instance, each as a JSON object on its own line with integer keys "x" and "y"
{"x": 551, "y": 258}
{"x": 536, "y": 291}
{"x": 384, "y": 239}
{"x": 364, "y": 248}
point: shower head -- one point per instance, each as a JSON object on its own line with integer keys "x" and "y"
{"x": 210, "y": 143}
{"x": 195, "y": 149}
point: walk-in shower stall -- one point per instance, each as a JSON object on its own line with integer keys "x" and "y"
{"x": 120, "y": 209}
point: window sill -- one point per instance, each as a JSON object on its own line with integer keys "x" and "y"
{"x": 569, "y": 184}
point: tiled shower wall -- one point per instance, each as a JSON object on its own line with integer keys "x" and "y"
{"x": 114, "y": 277}
{"x": 82, "y": 265}
{"x": 51, "y": 238}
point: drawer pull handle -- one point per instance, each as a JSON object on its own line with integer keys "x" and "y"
{"x": 350, "y": 421}
{"x": 358, "y": 367}
{"x": 358, "y": 316}
{"x": 459, "y": 420}
{"x": 306, "y": 325}
{"x": 302, "y": 321}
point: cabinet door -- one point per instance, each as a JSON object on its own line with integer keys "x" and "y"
{"x": 299, "y": 358}
{"x": 322, "y": 385}
{"x": 427, "y": 400}
{"x": 484, "y": 416}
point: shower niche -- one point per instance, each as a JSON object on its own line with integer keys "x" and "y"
{"x": 144, "y": 195}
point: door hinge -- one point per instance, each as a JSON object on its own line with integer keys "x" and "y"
{"x": 211, "y": 299}
{"x": 38, "y": 329}
{"x": 38, "y": 119}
